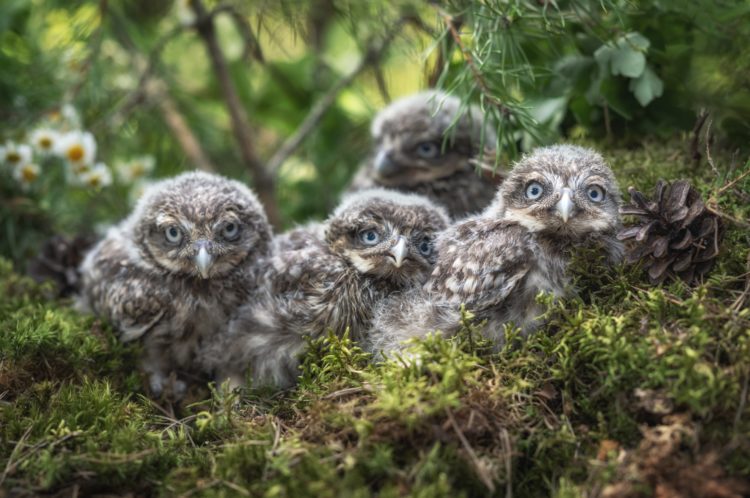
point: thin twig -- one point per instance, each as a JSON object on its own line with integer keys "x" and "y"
{"x": 479, "y": 467}
{"x": 451, "y": 23}
{"x": 263, "y": 181}
{"x": 732, "y": 183}
{"x": 152, "y": 88}
{"x": 743, "y": 401}
{"x": 508, "y": 462}
{"x": 10, "y": 465}
{"x": 181, "y": 130}
{"x": 373, "y": 53}
{"x": 740, "y": 301}
{"x": 708, "y": 149}
{"x": 694, "y": 142}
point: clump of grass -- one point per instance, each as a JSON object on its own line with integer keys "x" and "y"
{"x": 574, "y": 410}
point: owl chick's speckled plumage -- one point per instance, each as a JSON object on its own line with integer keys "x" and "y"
{"x": 172, "y": 272}
{"x": 376, "y": 242}
{"x": 554, "y": 201}
{"x": 410, "y": 154}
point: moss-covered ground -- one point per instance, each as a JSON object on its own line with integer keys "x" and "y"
{"x": 630, "y": 390}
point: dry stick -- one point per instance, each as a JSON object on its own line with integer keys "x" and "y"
{"x": 372, "y": 54}
{"x": 179, "y": 127}
{"x": 264, "y": 182}
{"x": 476, "y": 463}
{"x": 695, "y": 140}
{"x": 153, "y": 88}
{"x": 708, "y": 149}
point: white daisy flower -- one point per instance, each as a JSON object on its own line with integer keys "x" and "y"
{"x": 26, "y": 173}
{"x": 44, "y": 140}
{"x": 136, "y": 168}
{"x": 97, "y": 177}
{"x": 77, "y": 147}
{"x": 14, "y": 154}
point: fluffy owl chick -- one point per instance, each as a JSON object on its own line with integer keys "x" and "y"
{"x": 171, "y": 273}
{"x": 376, "y": 242}
{"x": 411, "y": 153}
{"x": 554, "y": 201}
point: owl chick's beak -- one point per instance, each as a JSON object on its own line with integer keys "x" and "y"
{"x": 399, "y": 251}
{"x": 384, "y": 165}
{"x": 203, "y": 260}
{"x": 565, "y": 205}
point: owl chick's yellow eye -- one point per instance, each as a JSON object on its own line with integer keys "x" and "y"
{"x": 595, "y": 193}
{"x": 231, "y": 231}
{"x": 173, "y": 235}
{"x": 369, "y": 237}
{"x": 534, "y": 190}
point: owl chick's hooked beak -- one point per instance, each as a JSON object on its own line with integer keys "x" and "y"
{"x": 565, "y": 206}
{"x": 203, "y": 260}
{"x": 384, "y": 165}
{"x": 399, "y": 251}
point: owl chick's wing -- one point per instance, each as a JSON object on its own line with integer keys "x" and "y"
{"x": 480, "y": 263}
{"x": 119, "y": 289}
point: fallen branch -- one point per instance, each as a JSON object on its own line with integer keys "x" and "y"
{"x": 373, "y": 53}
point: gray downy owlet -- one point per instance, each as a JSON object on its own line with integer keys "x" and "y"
{"x": 429, "y": 144}
{"x": 172, "y": 272}
{"x": 554, "y": 201}
{"x": 376, "y": 243}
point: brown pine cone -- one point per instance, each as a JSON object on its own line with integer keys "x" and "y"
{"x": 675, "y": 235}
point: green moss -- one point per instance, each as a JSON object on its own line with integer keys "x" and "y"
{"x": 450, "y": 418}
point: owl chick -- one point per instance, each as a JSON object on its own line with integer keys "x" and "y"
{"x": 553, "y": 202}
{"x": 410, "y": 154}
{"x": 171, "y": 273}
{"x": 375, "y": 243}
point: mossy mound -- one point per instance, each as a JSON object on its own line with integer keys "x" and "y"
{"x": 630, "y": 390}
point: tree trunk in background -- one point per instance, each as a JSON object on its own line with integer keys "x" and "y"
{"x": 263, "y": 181}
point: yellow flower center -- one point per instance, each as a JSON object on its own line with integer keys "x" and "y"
{"x": 75, "y": 153}
{"x": 12, "y": 156}
{"x": 29, "y": 174}
{"x": 80, "y": 169}
{"x": 45, "y": 142}
{"x": 94, "y": 181}
{"x": 138, "y": 170}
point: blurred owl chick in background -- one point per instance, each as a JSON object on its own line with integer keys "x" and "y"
{"x": 416, "y": 150}
{"x": 554, "y": 201}
{"x": 173, "y": 271}
{"x": 376, "y": 242}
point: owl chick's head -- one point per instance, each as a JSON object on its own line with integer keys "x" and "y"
{"x": 387, "y": 234}
{"x": 562, "y": 190}
{"x": 199, "y": 225}
{"x": 410, "y": 139}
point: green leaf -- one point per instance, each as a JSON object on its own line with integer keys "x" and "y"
{"x": 628, "y": 62}
{"x": 647, "y": 87}
{"x": 627, "y": 56}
